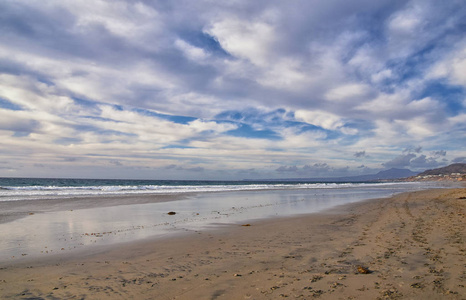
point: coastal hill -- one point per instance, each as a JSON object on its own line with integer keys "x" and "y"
{"x": 453, "y": 172}
{"x": 456, "y": 172}
{"x": 448, "y": 170}
{"x": 389, "y": 174}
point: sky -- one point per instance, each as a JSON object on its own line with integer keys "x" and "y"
{"x": 230, "y": 89}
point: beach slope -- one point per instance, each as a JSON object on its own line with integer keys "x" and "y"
{"x": 411, "y": 246}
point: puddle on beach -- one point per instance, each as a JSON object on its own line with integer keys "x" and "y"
{"x": 45, "y": 234}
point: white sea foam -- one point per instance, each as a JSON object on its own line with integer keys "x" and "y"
{"x": 10, "y": 193}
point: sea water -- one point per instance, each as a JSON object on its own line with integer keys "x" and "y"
{"x": 12, "y": 189}
{"x": 201, "y": 206}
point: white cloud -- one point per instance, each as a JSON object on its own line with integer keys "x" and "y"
{"x": 28, "y": 93}
{"x": 417, "y": 128}
{"x": 347, "y": 91}
{"x": 406, "y": 29}
{"x": 100, "y": 82}
{"x": 16, "y": 122}
{"x": 400, "y": 106}
{"x": 382, "y": 75}
{"x": 200, "y": 126}
{"x": 452, "y": 67}
{"x": 406, "y": 22}
{"x": 190, "y": 51}
{"x": 368, "y": 59}
{"x": 357, "y": 70}
{"x": 121, "y": 18}
{"x": 459, "y": 119}
{"x": 287, "y": 74}
{"x": 244, "y": 39}
{"x": 423, "y": 105}
{"x": 322, "y": 119}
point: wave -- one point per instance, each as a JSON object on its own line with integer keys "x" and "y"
{"x": 76, "y": 191}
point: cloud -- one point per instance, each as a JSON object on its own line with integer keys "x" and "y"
{"x": 459, "y": 160}
{"x": 413, "y": 158}
{"x": 400, "y": 161}
{"x": 195, "y": 169}
{"x": 345, "y": 92}
{"x": 320, "y": 118}
{"x": 439, "y": 153}
{"x": 360, "y": 154}
{"x": 17, "y": 122}
{"x": 423, "y": 161}
{"x": 115, "y": 162}
{"x": 287, "y": 169}
{"x": 182, "y": 168}
{"x": 70, "y": 159}
{"x": 314, "y": 170}
{"x": 417, "y": 149}
{"x": 190, "y": 51}
{"x": 451, "y": 65}
{"x": 243, "y": 38}
{"x": 317, "y": 168}
{"x": 230, "y": 86}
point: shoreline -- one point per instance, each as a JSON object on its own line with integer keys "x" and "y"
{"x": 11, "y": 210}
{"x": 413, "y": 244}
{"x": 64, "y": 226}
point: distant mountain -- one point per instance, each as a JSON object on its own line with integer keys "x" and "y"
{"x": 382, "y": 175}
{"x": 454, "y": 168}
{"x": 392, "y": 173}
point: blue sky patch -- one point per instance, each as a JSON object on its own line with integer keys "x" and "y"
{"x": 247, "y": 131}
{"x": 452, "y": 96}
{"x": 204, "y": 41}
{"x": 178, "y": 147}
{"x": 20, "y": 134}
{"x": 84, "y": 102}
{"x": 172, "y": 118}
{"x": 101, "y": 119}
{"x": 9, "y": 105}
{"x": 67, "y": 141}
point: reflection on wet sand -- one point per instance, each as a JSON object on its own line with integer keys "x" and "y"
{"x": 77, "y": 229}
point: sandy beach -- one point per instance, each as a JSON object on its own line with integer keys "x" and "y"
{"x": 411, "y": 246}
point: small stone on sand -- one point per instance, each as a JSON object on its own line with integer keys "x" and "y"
{"x": 363, "y": 270}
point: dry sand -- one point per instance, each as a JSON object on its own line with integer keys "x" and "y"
{"x": 413, "y": 246}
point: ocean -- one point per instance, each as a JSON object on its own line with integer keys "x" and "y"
{"x": 45, "y": 216}
{"x": 39, "y": 188}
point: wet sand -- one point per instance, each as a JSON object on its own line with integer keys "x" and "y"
{"x": 411, "y": 246}
{"x": 12, "y": 210}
